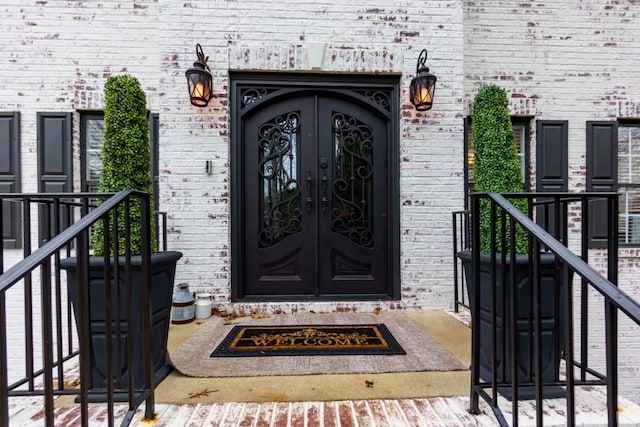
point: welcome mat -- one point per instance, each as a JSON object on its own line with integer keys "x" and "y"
{"x": 193, "y": 356}
{"x": 308, "y": 340}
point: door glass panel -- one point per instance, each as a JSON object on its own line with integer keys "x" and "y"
{"x": 280, "y": 190}
{"x": 352, "y": 198}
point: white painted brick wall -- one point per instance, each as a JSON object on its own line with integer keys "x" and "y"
{"x": 375, "y": 36}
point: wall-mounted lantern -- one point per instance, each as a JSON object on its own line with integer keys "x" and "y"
{"x": 423, "y": 85}
{"x": 200, "y": 80}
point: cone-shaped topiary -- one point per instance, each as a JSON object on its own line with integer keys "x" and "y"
{"x": 126, "y": 156}
{"x": 497, "y": 166}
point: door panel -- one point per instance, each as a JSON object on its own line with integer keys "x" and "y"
{"x": 353, "y": 228}
{"x": 315, "y": 199}
{"x": 278, "y": 257}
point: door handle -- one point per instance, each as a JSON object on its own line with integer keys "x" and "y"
{"x": 325, "y": 183}
{"x": 309, "y": 189}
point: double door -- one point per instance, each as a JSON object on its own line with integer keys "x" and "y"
{"x": 315, "y": 200}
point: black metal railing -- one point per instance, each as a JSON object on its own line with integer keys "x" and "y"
{"x": 525, "y": 342}
{"x": 36, "y": 311}
{"x": 461, "y": 242}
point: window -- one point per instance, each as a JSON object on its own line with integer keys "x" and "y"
{"x": 91, "y": 136}
{"x": 629, "y": 182}
{"x": 91, "y": 139}
{"x": 521, "y": 138}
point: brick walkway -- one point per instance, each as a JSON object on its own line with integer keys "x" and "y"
{"x": 437, "y": 411}
{"x": 392, "y": 413}
{"x": 447, "y": 412}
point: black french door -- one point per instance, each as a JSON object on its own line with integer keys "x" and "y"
{"x": 315, "y": 214}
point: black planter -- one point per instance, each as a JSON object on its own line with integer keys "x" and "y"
{"x": 163, "y": 267}
{"x": 552, "y": 298}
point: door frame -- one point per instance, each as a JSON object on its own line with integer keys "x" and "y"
{"x": 276, "y": 84}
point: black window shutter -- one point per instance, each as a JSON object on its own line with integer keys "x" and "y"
{"x": 10, "y": 178}
{"x": 154, "y": 136}
{"x": 602, "y": 175}
{"x": 55, "y": 165}
{"x": 552, "y": 164}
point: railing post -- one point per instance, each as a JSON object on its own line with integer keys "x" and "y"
{"x": 4, "y": 392}
{"x": 4, "y": 380}
{"x": 475, "y": 306}
{"x": 58, "y": 295}
{"x": 584, "y": 294}
{"x": 28, "y": 323}
{"x": 47, "y": 340}
{"x": 537, "y": 316}
{"x": 611, "y": 339}
{"x": 84, "y": 336}
{"x": 455, "y": 263}
{"x": 513, "y": 315}
{"x": 131, "y": 340}
{"x": 494, "y": 302}
{"x": 1, "y": 237}
{"x": 147, "y": 309}
{"x": 569, "y": 347}
{"x": 109, "y": 279}
{"x": 611, "y": 313}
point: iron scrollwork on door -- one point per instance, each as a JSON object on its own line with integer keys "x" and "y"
{"x": 279, "y": 156}
{"x": 352, "y": 194}
{"x": 380, "y": 97}
{"x": 251, "y": 95}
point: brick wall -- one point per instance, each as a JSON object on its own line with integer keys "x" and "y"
{"x": 378, "y": 36}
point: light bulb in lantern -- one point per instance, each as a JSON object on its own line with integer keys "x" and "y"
{"x": 424, "y": 96}
{"x": 201, "y": 90}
